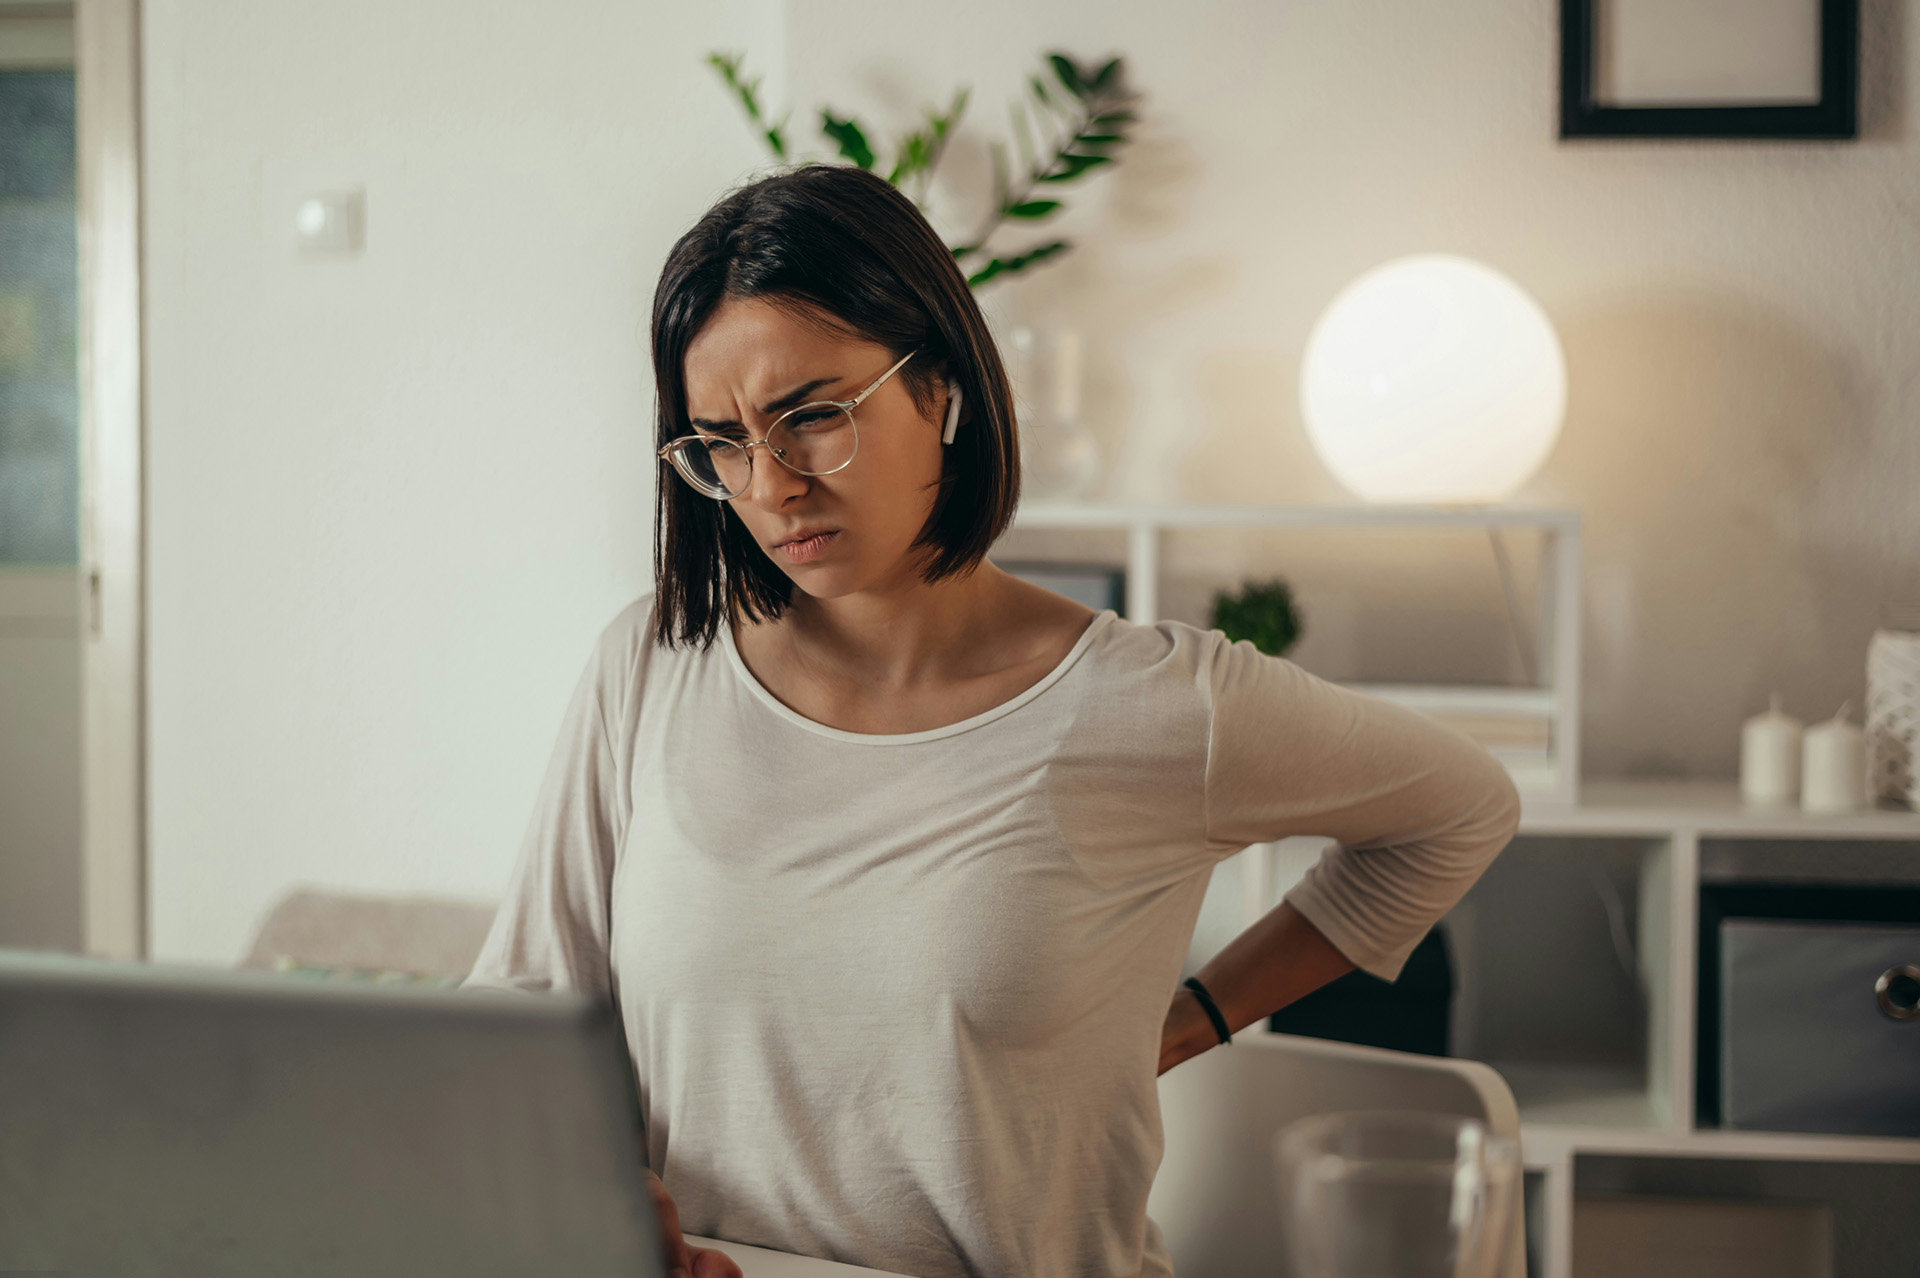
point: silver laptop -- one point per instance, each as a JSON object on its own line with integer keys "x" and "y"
{"x": 169, "y": 1120}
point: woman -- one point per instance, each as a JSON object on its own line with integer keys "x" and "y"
{"x": 890, "y": 860}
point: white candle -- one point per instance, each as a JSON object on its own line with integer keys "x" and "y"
{"x": 1770, "y": 757}
{"x": 1833, "y": 768}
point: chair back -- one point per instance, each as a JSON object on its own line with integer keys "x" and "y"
{"x": 1215, "y": 1199}
{"x": 418, "y": 935}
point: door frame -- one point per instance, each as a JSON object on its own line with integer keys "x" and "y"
{"x": 112, "y": 580}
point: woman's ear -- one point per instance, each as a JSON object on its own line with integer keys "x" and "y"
{"x": 953, "y": 412}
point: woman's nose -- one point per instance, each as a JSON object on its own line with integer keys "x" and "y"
{"x": 771, "y": 482}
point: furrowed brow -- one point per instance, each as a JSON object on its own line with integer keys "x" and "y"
{"x": 798, "y": 395}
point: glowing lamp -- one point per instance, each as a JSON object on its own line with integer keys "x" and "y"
{"x": 1433, "y": 380}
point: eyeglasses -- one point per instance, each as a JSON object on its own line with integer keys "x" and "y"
{"x": 813, "y": 439}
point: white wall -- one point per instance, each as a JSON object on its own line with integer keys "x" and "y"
{"x": 1741, "y": 321}
{"x": 393, "y": 498}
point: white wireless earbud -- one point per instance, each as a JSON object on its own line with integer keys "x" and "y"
{"x": 953, "y": 413}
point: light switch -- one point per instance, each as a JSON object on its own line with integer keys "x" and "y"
{"x": 331, "y": 223}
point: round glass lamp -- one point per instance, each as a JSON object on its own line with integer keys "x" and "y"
{"x": 1433, "y": 380}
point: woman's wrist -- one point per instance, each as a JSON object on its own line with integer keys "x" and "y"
{"x": 1223, "y": 1032}
{"x": 1279, "y": 959}
{"x": 1188, "y": 1031}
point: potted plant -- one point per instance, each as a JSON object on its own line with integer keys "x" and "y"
{"x": 1261, "y": 612}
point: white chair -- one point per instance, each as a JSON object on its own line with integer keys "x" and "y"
{"x": 1214, "y": 1198}
{"x": 323, "y": 928}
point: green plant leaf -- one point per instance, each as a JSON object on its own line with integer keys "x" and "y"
{"x": 848, "y": 137}
{"x": 1031, "y": 208}
{"x": 993, "y": 267}
{"x": 1108, "y": 118}
{"x": 748, "y": 91}
{"x": 1107, "y": 75}
{"x": 1068, "y": 74}
{"x": 1002, "y": 184}
{"x": 1022, "y": 134}
{"x": 913, "y": 156}
{"x": 943, "y": 124}
{"x": 1072, "y": 166}
{"x": 1098, "y": 139}
{"x": 998, "y": 266}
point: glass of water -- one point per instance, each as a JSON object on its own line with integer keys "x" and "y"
{"x": 1377, "y": 1194}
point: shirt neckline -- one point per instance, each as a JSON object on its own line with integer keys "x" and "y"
{"x": 780, "y": 708}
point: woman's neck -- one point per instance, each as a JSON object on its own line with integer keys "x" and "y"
{"x": 895, "y": 638}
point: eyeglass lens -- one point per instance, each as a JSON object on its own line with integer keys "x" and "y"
{"x": 814, "y": 439}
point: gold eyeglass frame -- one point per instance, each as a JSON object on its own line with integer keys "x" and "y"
{"x": 673, "y": 449}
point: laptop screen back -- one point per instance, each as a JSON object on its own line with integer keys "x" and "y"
{"x": 160, "y": 1120}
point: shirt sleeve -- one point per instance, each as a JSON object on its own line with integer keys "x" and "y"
{"x": 1417, "y": 810}
{"x": 551, "y": 932}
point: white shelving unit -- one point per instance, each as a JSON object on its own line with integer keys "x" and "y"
{"x": 1678, "y": 821}
{"x": 1556, "y": 698}
{"x": 1684, "y": 832}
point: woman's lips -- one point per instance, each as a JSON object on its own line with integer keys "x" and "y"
{"x": 812, "y": 548}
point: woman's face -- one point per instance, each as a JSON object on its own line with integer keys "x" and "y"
{"x": 839, "y": 534}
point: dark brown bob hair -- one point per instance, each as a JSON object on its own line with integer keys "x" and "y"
{"x": 838, "y": 243}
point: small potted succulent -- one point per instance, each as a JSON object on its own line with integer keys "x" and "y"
{"x": 1261, "y": 612}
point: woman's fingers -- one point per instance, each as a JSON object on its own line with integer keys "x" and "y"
{"x": 708, "y": 1263}
{"x": 684, "y": 1261}
{"x": 673, "y": 1244}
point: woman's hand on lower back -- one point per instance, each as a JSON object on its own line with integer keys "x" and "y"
{"x": 1186, "y": 1033}
{"x": 684, "y": 1261}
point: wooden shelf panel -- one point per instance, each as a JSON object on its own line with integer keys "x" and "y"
{"x": 1707, "y": 808}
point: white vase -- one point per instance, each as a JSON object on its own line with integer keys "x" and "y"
{"x": 1893, "y": 716}
{"x": 1058, "y": 462}
{"x": 1059, "y": 457}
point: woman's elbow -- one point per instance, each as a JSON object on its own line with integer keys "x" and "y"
{"x": 1505, "y": 806}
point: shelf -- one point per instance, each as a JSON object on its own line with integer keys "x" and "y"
{"x": 1711, "y": 808}
{"x": 1076, "y": 515}
{"x": 1444, "y": 699}
{"x": 1607, "y": 1111}
{"x": 1579, "y": 1096}
{"x": 1545, "y": 1142}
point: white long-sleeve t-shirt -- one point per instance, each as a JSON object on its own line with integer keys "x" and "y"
{"x": 896, "y": 1000}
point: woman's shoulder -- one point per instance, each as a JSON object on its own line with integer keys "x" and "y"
{"x": 625, "y": 649}
{"x": 1159, "y": 648}
{"x": 634, "y": 622}
{"x": 627, "y": 637}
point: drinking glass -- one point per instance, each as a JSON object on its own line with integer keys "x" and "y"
{"x": 1376, "y": 1194}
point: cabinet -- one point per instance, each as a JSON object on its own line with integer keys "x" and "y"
{"x": 1576, "y": 961}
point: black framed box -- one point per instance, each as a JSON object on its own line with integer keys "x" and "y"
{"x": 1808, "y": 1018}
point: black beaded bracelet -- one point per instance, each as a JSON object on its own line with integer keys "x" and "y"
{"x": 1207, "y": 1005}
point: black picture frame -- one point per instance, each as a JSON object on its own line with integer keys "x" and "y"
{"x": 1834, "y": 117}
